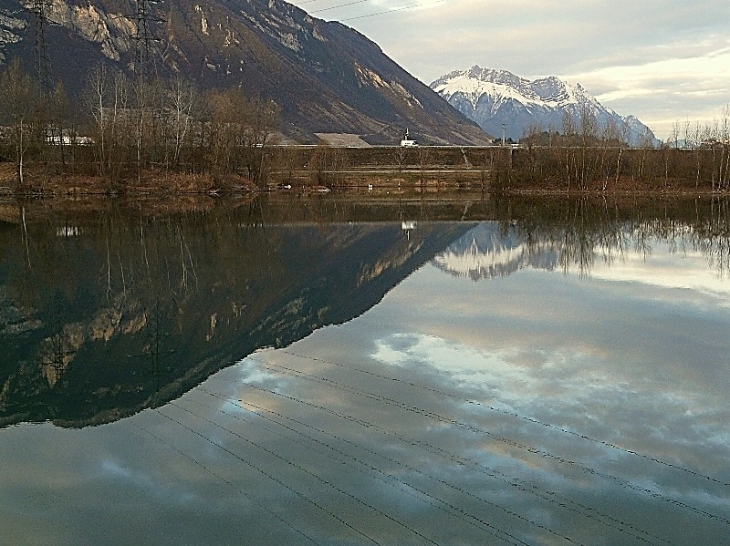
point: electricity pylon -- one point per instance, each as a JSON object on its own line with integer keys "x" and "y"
{"x": 40, "y": 9}
{"x": 143, "y": 62}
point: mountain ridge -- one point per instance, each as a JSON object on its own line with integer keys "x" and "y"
{"x": 500, "y": 100}
{"x": 325, "y": 77}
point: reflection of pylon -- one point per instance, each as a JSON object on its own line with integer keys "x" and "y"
{"x": 40, "y": 9}
{"x": 143, "y": 61}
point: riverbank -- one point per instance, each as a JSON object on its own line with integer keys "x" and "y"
{"x": 379, "y": 182}
{"x": 40, "y": 183}
{"x": 503, "y": 170}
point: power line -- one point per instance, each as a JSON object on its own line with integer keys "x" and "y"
{"x": 403, "y": 8}
{"x": 347, "y": 4}
{"x": 339, "y": 6}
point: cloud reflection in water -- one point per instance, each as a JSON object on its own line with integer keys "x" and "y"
{"x": 528, "y": 408}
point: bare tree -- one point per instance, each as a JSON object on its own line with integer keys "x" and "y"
{"x": 622, "y": 141}
{"x": 262, "y": 118}
{"x": 609, "y": 137}
{"x": 96, "y": 97}
{"x": 58, "y": 120}
{"x": 674, "y": 138}
{"x": 569, "y": 133}
{"x": 588, "y": 134}
{"x": 147, "y": 106}
{"x": 107, "y": 99}
{"x": 724, "y": 138}
{"x": 697, "y": 145}
{"x": 182, "y": 99}
{"x": 17, "y": 109}
{"x": 237, "y": 131}
{"x": 645, "y": 143}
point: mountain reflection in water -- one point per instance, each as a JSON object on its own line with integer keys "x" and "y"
{"x": 105, "y": 315}
{"x": 319, "y": 382}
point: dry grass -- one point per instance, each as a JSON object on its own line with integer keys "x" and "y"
{"x": 150, "y": 182}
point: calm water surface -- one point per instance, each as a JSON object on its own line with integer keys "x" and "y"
{"x": 338, "y": 377}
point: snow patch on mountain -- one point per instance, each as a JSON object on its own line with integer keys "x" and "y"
{"x": 498, "y": 99}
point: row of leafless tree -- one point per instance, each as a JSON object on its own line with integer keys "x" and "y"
{"x": 610, "y": 168}
{"x": 584, "y": 157}
{"x": 124, "y": 126}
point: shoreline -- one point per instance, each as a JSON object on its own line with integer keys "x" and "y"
{"x": 384, "y": 179}
{"x": 392, "y": 186}
{"x": 551, "y": 171}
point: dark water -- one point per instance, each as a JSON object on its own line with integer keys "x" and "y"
{"x": 334, "y": 372}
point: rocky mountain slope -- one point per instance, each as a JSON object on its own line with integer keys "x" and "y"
{"x": 325, "y": 77}
{"x": 497, "y": 98}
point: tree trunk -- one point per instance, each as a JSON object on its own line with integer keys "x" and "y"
{"x": 21, "y": 153}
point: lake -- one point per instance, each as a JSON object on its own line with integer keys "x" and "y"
{"x": 341, "y": 371}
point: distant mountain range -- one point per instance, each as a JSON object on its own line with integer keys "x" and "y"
{"x": 498, "y": 99}
{"x": 325, "y": 76}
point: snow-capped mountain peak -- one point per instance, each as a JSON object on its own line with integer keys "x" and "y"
{"x": 498, "y": 98}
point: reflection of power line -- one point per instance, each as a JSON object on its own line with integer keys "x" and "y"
{"x": 535, "y": 450}
{"x": 513, "y": 482}
{"x": 157, "y": 354}
{"x": 318, "y": 478}
{"x": 388, "y": 478}
{"x": 431, "y": 415}
{"x": 491, "y": 529}
{"x": 58, "y": 351}
{"x": 510, "y": 413}
{"x": 271, "y": 477}
{"x": 231, "y": 484}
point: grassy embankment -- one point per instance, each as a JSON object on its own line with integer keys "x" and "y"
{"x": 536, "y": 171}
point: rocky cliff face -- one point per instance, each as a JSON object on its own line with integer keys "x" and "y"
{"x": 325, "y": 76}
{"x": 11, "y": 30}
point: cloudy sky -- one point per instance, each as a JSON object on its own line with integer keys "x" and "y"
{"x": 661, "y": 60}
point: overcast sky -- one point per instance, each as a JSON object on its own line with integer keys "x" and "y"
{"x": 660, "y": 60}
